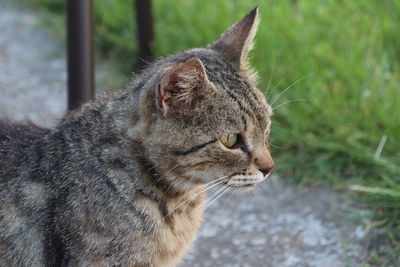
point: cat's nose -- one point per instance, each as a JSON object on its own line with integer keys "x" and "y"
{"x": 263, "y": 161}
{"x": 266, "y": 171}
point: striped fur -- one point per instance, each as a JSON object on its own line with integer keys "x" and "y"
{"x": 106, "y": 186}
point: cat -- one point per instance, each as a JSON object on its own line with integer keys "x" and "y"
{"x": 122, "y": 181}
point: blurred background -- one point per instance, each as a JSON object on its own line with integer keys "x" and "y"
{"x": 330, "y": 69}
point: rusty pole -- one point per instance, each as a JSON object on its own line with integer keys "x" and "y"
{"x": 144, "y": 21}
{"x": 80, "y": 52}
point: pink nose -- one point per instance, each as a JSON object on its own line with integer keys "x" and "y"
{"x": 263, "y": 161}
{"x": 266, "y": 171}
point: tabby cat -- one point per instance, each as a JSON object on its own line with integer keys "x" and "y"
{"x": 121, "y": 182}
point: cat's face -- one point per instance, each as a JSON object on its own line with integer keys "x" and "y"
{"x": 212, "y": 122}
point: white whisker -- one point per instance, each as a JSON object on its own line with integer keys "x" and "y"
{"x": 302, "y": 78}
{"x": 211, "y": 196}
{"x": 272, "y": 74}
{"x": 268, "y": 183}
{"x": 216, "y": 192}
{"x": 170, "y": 170}
{"x": 165, "y": 175}
{"x": 275, "y": 146}
{"x": 290, "y": 101}
{"x": 226, "y": 190}
{"x": 217, "y": 182}
{"x": 273, "y": 90}
{"x": 207, "y": 203}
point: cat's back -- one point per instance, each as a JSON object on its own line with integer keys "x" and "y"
{"x": 17, "y": 139}
{"x": 19, "y": 132}
{"x": 20, "y": 208}
{"x": 17, "y": 146}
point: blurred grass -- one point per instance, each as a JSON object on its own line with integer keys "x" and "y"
{"x": 348, "y": 54}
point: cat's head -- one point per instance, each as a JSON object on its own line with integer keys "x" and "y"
{"x": 206, "y": 119}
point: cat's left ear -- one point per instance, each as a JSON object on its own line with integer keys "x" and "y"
{"x": 236, "y": 42}
{"x": 179, "y": 86}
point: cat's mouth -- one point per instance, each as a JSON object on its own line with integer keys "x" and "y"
{"x": 245, "y": 180}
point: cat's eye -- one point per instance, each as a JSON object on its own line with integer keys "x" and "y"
{"x": 229, "y": 140}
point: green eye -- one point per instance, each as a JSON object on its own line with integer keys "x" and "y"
{"x": 229, "y": 140}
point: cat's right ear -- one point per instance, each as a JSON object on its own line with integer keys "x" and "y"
{"x": 236, "y": 42}
{"x": 179, "y": 85}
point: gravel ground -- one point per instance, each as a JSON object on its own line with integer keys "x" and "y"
{"x": 276, "y": 225}
{"x": 32, "y": 74}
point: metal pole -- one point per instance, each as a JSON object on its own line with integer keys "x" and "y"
{"x": 144, "y": 21}
{"x": 80, "y": 52}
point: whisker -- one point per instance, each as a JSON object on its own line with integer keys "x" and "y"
{"x": 182, "y": 164}
{"x": 165, "y": 175}
{"x": 273, "y": 89}
{"x": 205, "y": 185}
{"x": 216, "y": 192}
{"x": 217, "y": 180}
{"x": 205, "y": 189}
{"x": 211, "y": 196}
{"x": 272, "y": 74}
{"x": 302, "y": 78}
{"x": 226, "y": 190}
{"x": 275, "y": 146}
{"x": 207, "y": 203}
{"x": 170, "y": 170}
{"x": 290, "y": 101}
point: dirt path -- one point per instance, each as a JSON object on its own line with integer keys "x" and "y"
{"x": 273, "y": 226}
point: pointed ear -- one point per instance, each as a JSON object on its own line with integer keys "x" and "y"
{"x": 236, "y": 42}
{"x": 179, "y": 84}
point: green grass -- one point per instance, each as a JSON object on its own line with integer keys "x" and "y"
{"x": 342, "y": 57}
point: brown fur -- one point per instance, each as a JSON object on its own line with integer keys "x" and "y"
{"x": 121, "y": 181}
